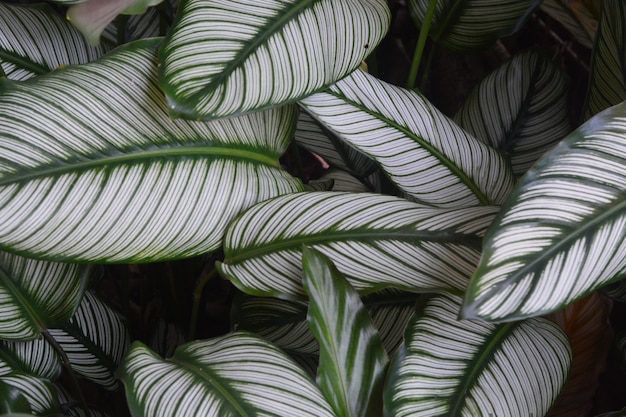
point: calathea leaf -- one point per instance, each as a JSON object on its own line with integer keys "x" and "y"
{"x": 607, "y": 82}
{"x": 95, "y": 341}
{"x": 37, "y": 293}
{"x": 35, "y": 357}
{"x": 226, "y": 57}
{"x": 526, "y": 103}
{"x": 449, "y": 367}
{"x": 352, "y": 358}
{"x": 423, "y": 152}
{"x": 376, "y": 241}
{"x": 80, "y": 179}
{"x": 237, "y": 374}
{"x": 38, "y": 392}
{"x": 472, "y": 24}
{"x": 34, "y": 40}
{"x": 562, "y": 233}
{"x": 12, "y": 400}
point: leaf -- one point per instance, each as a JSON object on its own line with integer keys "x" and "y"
{"x": 72, "y": 407}
{"x": 586, "y": 323}
{"x": 376, "y": 241}
{"x": 154, "y": 22}
{"x": 342, "y": 181}
{"x": 236, "y": 374}
{"x": 95, "y": 341}
{"x": 471, "y": 25}
{"x": 39, "y": 393}
{"x": 452, "y": 368}
{"x": 607, "y": 81}
{"x": 82, "y": 181}
{"x": 35, "y": 357}
{"x": 12, "y": 400}
{"x": 423, "y": 152}
{"x": 33, "y": 41}
{"x": 227, "y": 57}
{"x": 575, "y": 17}
{"x": 352, "y": 358}
{"x": 91, "y": 17}
{"x": 283, "y": 322}
{"x": 561, "y": 235}
{"x": 37, "y": 294}
{"x": 520, "y": 108}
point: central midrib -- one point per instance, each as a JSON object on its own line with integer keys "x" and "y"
{"x": 137, "y": 156}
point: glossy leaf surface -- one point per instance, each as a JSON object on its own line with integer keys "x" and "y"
{"x": 562, "y": 233}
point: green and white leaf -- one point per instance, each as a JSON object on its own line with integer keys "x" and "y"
{"x": 562, "y": 233}
{"x": 470, "y": 25}
{"x": 423, "y": 152}
{"x": 561, "y": 10}
{"x": 311, "y": 135}
{"x": 352, "y": 360}
{"x": 37, "y": 294}
{"x": 607, "y": 82}
{"x": 12, "y": 401}
{"x": 376, "y": 241}
{"x": 95, "y": 341}
{"x": 35, "y": 40}
{"x": 520, "y": 108}
{"x": 81, "y": 180}
{"x": 227, "y": 57}
{"x": 39, "y": 392}
{"x": 234, "y": 375}
{"x": 35, "y": 357}
{"x": 322, "y": 184}
{"x": 72, "y": 407}
{"x": 343, "y": 181}
{"x": 154, "y": 22}
{"x": 166, "y": 337}
{"x": 449, "y": 367}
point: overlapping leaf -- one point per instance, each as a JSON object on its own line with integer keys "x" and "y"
{"x": 226, "y": 57}
{"x": 520, "y": 108}
{"x": 376, "y": 241}
{"x": 40, "y": 393}
{"x": 423, "y": 152}
{"x": 237, "y": 374}
{"x": 562, "y": 233}
{"x": 95, "y": 341}
{"x": 607, "y": 82}
{"x": 452, "y": 368}
{"x": 463, "y": 25}
{"x": 37, "y": 293}
{"x": 92, "y": 168}
{"x": 36, "y": 40}
{"x": 35, "y": 357}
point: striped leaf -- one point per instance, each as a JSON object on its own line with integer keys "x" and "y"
{"x": 520, "y": 108}
{"x": 40, "y": 393}
{"x": 283, "y": 322}
{"x": 35, "y": 40}
{"x": 352, "y": 358}
{"x": 562, "y": 233}
{"x": 471, "y": 368}
{"x": 376, "y": 241}
{"x": 35, "y": 357}
{"x": 152, "y": 23}
{"x": 71, "y": 407}
{"x": 226, "y": 57}
{"x": 12, "y": 401}
{"x": 95, "y": 341}
{"x": 343, "y": 181}
{"x": 234, "y": 375}
{"x": 423, "y": 152}
{"x": 607, "y": 82}
{"x": 84, "y": 181}
{"x": 468, "y": 25}
{"x": 576, "y": 17}
{"x": 37, "y": 294}
{"x": 311, "y": 135}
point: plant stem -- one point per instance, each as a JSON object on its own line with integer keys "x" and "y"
{"x": 421, "y": 43}
{"x": 68, "y": 367}
{"x": 197, "y": 295}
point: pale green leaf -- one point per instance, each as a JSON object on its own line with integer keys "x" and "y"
{"x": 95, "y": 341}
{"x": 226, "y": 57}
{"x": 520, "y": 108}
{"x": 35, "y": 40}
{"x": 234, "y": 375}
{"x": 423, "y": 152}
{"x": 376, "y": 241}
{"x": 467, "y": 25}
{"x": 562, "y": 233}
{"x": 449, "y": 367}
{"x": 80, "y": 179}
{"x": 352, "y": 360}
{"x": 37, "y": 294}
{"x": 607, "y": 82}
